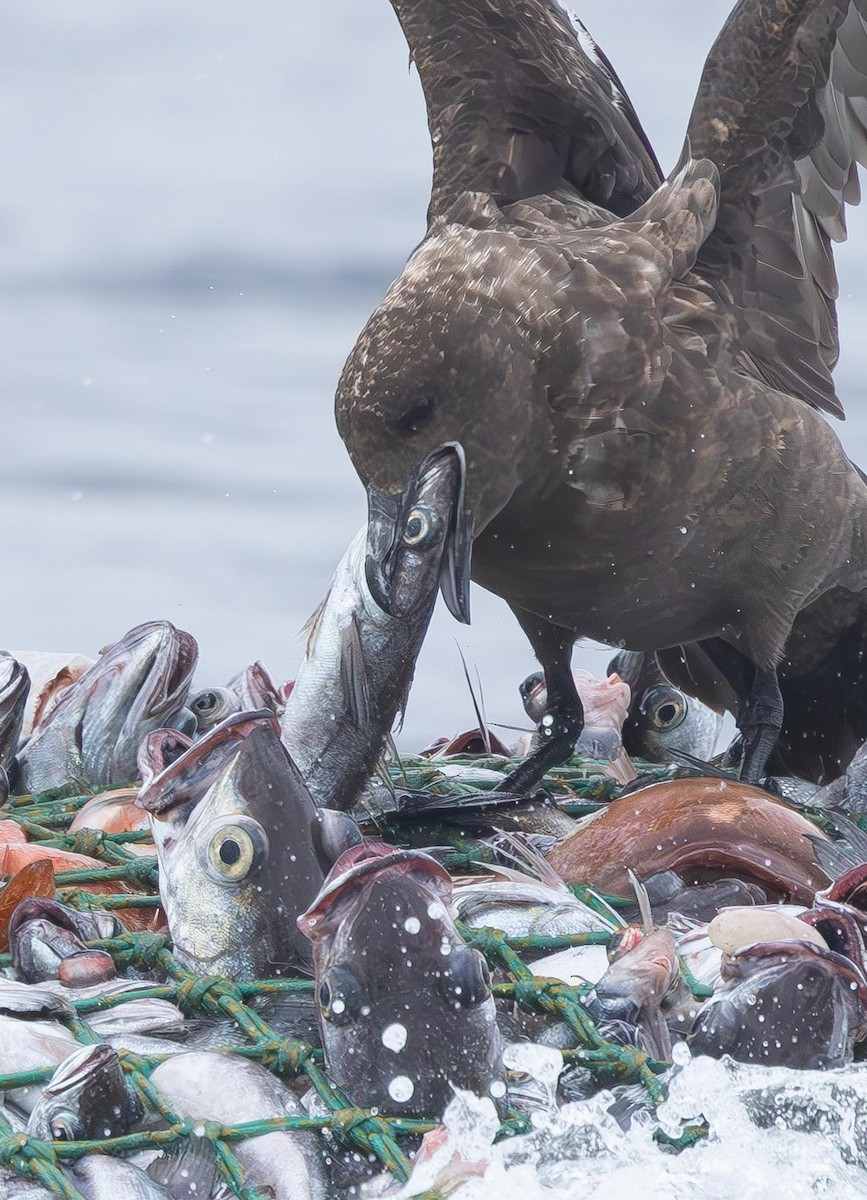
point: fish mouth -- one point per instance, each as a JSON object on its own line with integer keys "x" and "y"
{"x": 364, "y": 862}
{"x": 178, "y": 772}
{"x": 386, "y": 515}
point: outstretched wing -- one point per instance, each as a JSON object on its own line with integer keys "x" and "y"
{"x": 782, "y": 110}
{"x": 521, "y": 103}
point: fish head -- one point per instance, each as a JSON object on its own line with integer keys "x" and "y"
{"x": 421, "y": 536}
{"x": 437, "y": 366}
{"x": 237, "y": 838}
{"x": 405, "y": 1005}
{"x": 642, "y": 969}
{"x": 256, "y": 689}
{"x": 213, "y": 705}
{"x": 93, "y": 733}
{"x": 86, "y": 1097}
{"x": 47, "y": 941}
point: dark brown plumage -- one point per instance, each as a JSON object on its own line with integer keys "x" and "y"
{"x": 634, "y": 373}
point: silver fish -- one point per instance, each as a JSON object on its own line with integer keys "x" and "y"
{"x": 661, "y": 717}
{"x": 360, "y": 660}
{"x": 212, "y": 706}
{"x": 86, "y": 1097}
{"x": 14, "y": 689}
{"x": 255, "y": 689}
{"x": 643, "y": 969}
{"x": 102, "y": 1177}
{"x": 31, "y": 1046}
{"x": 239, "y": 847}
{"x": 405, "y": 1005}
{"x": 206, "y": 1085}
{"x": 90, "y": 738}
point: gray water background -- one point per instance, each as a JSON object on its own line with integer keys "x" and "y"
{"x": 200, "y": 204}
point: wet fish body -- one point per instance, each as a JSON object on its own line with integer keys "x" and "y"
{"x": 360, "y": 660}
{"x": 206, "y": 1085}
{"x": 405, "y": 1005}
{"x": 239, "y": 845}
{"x": 91, "y": 736}
{"x": 700, "y": 828}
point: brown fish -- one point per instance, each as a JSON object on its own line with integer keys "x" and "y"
{"x": 702, "y": 829}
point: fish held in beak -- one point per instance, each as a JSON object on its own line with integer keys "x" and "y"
{"x": 398, "y": 524}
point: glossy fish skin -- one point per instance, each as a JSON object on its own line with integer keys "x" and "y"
{"x": 661, "y": 717}
{"x": 788, "y": 1004}
{"x": 86, "y": 1097}
{"x": 207, "y": 1085}
{"x": 643, "y": 970}
{"x": 14, "y": 689}
{"x": 405, "y": 1005}
{"x": 360, "y": 660}
{"x": 91, "y": 736}
{"x": 238, "y": 842}
{"x": 103, "y": 1177}
{"x": 701, "y": 828}
{"x": 32, "y": 1046}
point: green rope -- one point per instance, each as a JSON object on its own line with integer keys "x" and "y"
{"x": 577, "y": 787}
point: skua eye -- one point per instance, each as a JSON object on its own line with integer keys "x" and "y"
{"x": 234, "y": 850}
{"x": 664, "y": 707}
{"x": 420, "y": 527}
{"x": 416, "y": 417}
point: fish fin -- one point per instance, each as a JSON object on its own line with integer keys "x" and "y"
{"x": 309, "y": 630}
{"x": 478, "y": 704}
{"x": 684, "y": 759}
{"x": 833, "y": 858}
{"x": 187, "y": 1169}
{"x": 643, "y": 901}
{"x": 521, "y": 850}
{"x": 353, "y": 675}
{"x": 854, "y": 835}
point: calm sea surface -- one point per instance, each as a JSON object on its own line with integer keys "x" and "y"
{"x": 200, "y": 205}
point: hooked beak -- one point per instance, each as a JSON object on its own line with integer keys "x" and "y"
{"x": 386, "y": 513}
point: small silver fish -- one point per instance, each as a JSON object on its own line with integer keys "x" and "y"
{"x": 405, "y": 1005}
{"x": 86, "y": 1097}
{"x": 90, "y": 738}
{"x": 239, "y": 845}
{"x": 360, "y": 660}
{"x": 661, "y": 717}
{"x": 206, "y": 1085}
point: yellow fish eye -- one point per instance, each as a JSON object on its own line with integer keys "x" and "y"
{"x": 233, "y": 852}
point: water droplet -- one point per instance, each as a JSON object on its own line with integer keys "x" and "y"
{"x": 394, "y": 1037}
{"x": 401, "y": 1088}
{"x": 412, "y": 925}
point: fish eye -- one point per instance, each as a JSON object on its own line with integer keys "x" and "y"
{"x": 421, "y": 527}
{"x": 64, "y": 1128}
{"x": 339, "y": 996}
{"x": 467, "y": 980}
{"x": 234, "y": 850}
{"x": 664, "y": 707}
